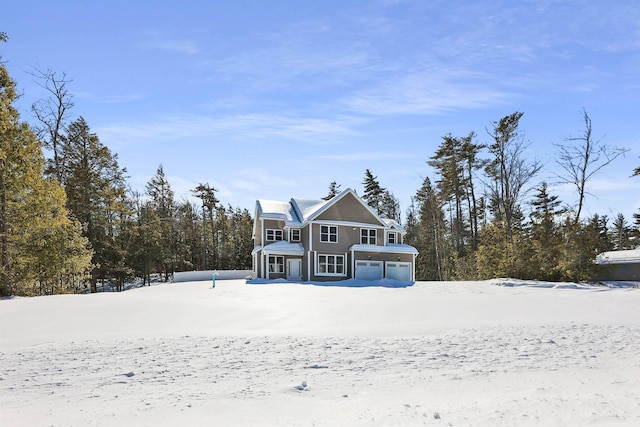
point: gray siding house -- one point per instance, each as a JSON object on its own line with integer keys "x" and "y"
{"x": 619, "y": 265}
{"x": 338, "y": 239}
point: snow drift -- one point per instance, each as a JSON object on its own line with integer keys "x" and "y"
{"x": 451, "y": 353}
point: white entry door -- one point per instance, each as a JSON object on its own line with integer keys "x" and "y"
{"x": 294, "y": 269}
{"x": 368, "y": 270}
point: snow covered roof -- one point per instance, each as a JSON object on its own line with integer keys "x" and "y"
{"x": 307, "y": 207}
{"x": 278, "y": 210}
{"x": 396, "y": 249}
{"x": 619, "y": 257}
{"x": 297, "y": 211}
{"x": 283, "y": 247}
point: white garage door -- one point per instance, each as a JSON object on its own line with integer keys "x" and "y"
{"x": 369, "y": 270}
{"x": 400, "y": 271}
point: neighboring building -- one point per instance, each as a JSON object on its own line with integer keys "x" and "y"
{"x": 338, "y": 239}
{"x": 619, "y": 265}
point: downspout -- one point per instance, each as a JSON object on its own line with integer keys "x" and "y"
{"x": 353, "y": 263}
{"x": 309, "y": 252}
{"x": 262, "y": 256}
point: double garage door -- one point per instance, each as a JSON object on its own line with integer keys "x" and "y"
{"x": 374, "y": 270}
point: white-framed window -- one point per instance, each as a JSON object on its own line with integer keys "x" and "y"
{"x": 276, "y": 264}
{"x": 274, "y": 234}
{"x": 368, "y": 236}
{"x": 330, "y": 265}
{"x": 295, "y": 234}
{"x": 328, "y": 233}
{"x": 392, "y": 238}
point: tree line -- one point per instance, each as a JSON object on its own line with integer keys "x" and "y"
{"x": 484, "y": 217}
{"x": 70, "y": 222}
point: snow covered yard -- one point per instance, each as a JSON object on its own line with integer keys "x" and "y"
{"x": 453, "y": 353}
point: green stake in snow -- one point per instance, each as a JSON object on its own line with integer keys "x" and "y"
{"x": 215, "y": 274}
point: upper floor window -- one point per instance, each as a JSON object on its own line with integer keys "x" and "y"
{"x": 368, "y": 236}
{"x": 328, "y": 233}
{"x": 273, "y": 235}
{"x": 391, "y": 238}
{"x": 295, "y": 234}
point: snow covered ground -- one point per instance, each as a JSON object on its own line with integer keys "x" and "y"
{"x": 440, "y": 354}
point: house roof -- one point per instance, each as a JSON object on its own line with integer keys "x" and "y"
{"x": 391, "y": 248}
{"x": 283, "y": 247}
{"x": 619, "y": 257}
{"x": 297, "y": 211}
{"x": 277, "y": 210}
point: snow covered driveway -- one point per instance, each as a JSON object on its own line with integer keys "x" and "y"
{"x": 455, "y": 355}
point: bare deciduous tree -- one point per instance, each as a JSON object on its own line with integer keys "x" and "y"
{"x": 581, "y": 158}
{"x": 52, "y": 113}
{"x": 508, "y": 171}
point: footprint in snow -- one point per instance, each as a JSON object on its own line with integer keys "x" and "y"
{"x": 302, "y": 386}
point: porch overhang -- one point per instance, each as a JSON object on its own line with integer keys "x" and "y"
{"x": 284, "y": 248}
{"x": 389, "y": 249}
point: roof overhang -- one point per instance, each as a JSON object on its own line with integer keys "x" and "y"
{"x": 284, "y": 248}
{"x": 389, "y": 249}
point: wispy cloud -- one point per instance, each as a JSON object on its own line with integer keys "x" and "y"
{"x": 238, "y": 127}
{"x": 163, "y": 42}
{"x": 428, "y": 92}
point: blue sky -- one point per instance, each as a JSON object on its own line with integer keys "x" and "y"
{"x": 275, "y": 99}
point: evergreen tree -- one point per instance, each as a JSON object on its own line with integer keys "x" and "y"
{"x": 206, "y": 193}
{"x": 41, "y": 250}
{"x": 163, "y": 206}
{"x": 622, "y": 233}
{"x": 373, "y": 192}
{"x": 545, "y": 235}
{"x": 95, "y": 187}
{"x": 432, "y": 264}
{"x": 334, "y": 190}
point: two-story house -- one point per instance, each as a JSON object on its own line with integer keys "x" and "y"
{"x": 338, "y": 239}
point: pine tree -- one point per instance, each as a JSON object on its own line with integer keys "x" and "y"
{"x": 163, "y": 205}
{"x": 545, "y": 234}
{"x": 334, "y": 190}
{"x": 96, "y": 188}
{"x": 207, "y": 194}
{"x": 41, "y": 250}
{"x": 373, "y": 192}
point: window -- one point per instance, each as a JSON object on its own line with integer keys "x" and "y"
{"x": 328, "y": 233}
{"x": 295, "y": 234}
{"x": 274, "y": 234}
{"x": 368, "y": 236}
{"x": 329, "y": 265}
{"x": 276, "y": 264}
{"x": 391, "y": 238}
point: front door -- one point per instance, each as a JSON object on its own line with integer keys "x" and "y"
{"x": 294, "y": 269}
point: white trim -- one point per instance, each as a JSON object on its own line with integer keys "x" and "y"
{"x": 329, "y": 233}
{"x": 335, "y": 264}
{"x": 275, "y": 231}
{"x": 368, "y": 236}
{"x": 276, "y": 257}
{"x": 388, "y": 249}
